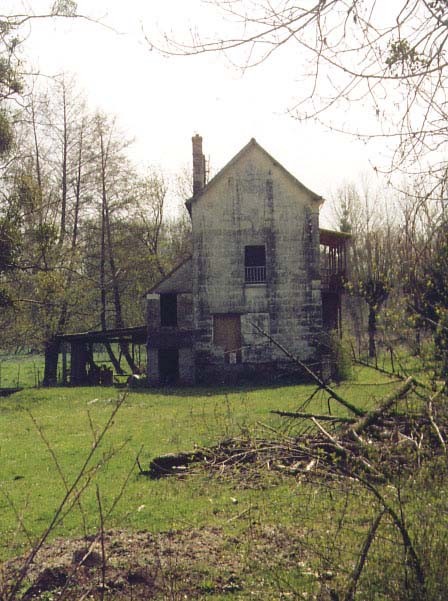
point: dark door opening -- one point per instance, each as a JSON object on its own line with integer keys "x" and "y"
{"x": 168, "y": 310}
{"x": 331, "y": 311}
{"x": 169, "y": 366}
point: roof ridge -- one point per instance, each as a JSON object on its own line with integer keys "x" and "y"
{"x": 235, "y": 158}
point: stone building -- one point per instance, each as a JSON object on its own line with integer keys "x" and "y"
{"x": 260, "y": 265}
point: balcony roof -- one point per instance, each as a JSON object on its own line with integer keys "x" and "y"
{"x": 333, "y": 238}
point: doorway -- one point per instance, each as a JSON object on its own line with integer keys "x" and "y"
{"x": 168, "y": 366}
{"x": 331, "y": 311}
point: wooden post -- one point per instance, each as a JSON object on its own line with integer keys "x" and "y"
{"x": 78, "y": 367}
{"x": 64, "y": 364}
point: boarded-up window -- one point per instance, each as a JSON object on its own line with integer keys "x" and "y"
{"x": 168, "y": 310}
{"x": 227, "y": 335}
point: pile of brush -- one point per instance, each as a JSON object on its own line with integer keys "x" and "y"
{"x": 407, "y": 427}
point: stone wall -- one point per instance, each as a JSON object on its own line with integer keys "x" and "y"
{"x": 255, "y": 202}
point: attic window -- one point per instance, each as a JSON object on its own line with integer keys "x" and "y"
{"x": 255, "y": 264}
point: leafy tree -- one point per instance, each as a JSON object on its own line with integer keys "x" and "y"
{"x": 50, "y": 188}
{"x": 20, "y": 193}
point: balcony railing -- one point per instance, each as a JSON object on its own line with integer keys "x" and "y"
{"x": 255, "y": 275}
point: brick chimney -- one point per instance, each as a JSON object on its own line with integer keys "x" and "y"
{"x": 198, "y": 164}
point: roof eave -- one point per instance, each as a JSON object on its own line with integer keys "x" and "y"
{"x": 167, "y": 276}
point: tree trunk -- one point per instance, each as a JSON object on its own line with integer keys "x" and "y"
{"x": 372, "y": 332}
{"x": 103, "y": 319}
{"x": 63, "y": 219}
{"x": 124, "y": 347}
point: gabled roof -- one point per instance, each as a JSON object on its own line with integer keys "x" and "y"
{"x": 176, "y": 281}
{"x": 252, "y": 144}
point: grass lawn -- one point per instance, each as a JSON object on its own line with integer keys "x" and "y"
{"x": 22, "y": 371}
{"x": 149, "y": 423}
{"x": 154, "y": 422}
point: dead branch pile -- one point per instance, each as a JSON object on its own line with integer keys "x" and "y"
{"x": 405, "y": 429}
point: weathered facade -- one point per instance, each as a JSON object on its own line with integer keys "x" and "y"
{"x": 256, "y": 267}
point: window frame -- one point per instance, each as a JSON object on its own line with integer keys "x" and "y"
{"x": 255, "y": 264}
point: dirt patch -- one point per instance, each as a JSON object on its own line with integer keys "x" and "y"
{"x": 189, "y": 564}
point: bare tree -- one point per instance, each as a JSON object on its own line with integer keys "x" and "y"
{"x": 58, "y": 122}
{"x": 373, "y": 248}
{"x": 110, "y": 163}
{"x": 390, "y": 58}
{"x": 150, "y": 195}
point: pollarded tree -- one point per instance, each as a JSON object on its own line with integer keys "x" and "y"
{"x": 372, "y": 270}
{"x": 434, "y": 296}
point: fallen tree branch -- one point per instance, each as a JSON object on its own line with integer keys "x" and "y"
{"x": 311, "y": 373}
{"x": 327, "y": 418}
{"x": 386, "y": 403}
{"x": 347, "y": 454}
{"x": 432, "y": 421}
{"x": 391, "y": 374}
{"x": 331, "y": 438}
{"x": 363, "y": 557}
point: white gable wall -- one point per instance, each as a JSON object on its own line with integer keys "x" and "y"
{"x": 255, "y": 202}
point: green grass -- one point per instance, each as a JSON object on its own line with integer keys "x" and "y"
{"x": 161, "y": 421}
{"x": 150, "y": 423}
{"x": 27, "y": 370}
{"x": 24, "y": 371}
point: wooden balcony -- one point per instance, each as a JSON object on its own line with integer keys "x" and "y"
{"x": 333, "y": 260}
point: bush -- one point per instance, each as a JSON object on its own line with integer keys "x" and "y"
{"x": 341, "y": 357}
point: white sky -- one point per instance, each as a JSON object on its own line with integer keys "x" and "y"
{"x": 161, "y": 102}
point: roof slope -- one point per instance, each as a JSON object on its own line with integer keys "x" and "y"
{"x": 252, "y": 144}
{"x": 177, "y": 281}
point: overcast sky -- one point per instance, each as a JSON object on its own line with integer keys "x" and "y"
{"x": 161, "y": 102}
